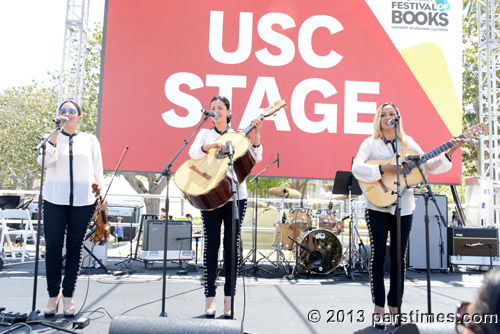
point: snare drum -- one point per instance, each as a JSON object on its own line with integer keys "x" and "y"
{"x": 320, "y": 251}
{"x": 285, "y": 232}
{"x": 300, "y": 218}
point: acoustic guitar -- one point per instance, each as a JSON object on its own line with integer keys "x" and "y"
{"x": 205, "y": 182}
{"x": 383, "y": 192}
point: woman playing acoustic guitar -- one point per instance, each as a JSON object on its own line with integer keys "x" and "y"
{"x": 382, "y": 219}
{"x": 212, "y": 219}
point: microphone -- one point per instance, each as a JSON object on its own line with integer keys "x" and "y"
{"x": 229, "y": 147}
{"x": 60, "y": 120}
{"x": 278, "y": 160}
{"x": 409, "y": 157}
{"x": 394, "y": 121}
{"x": 208, "y": 113}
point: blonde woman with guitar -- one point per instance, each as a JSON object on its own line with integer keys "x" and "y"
{"x": 205, "y": 142}
{"x": 375, "y": 169}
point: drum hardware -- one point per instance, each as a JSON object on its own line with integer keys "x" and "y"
{"x": 347, "y": 187}
{"x": 281, "y": 260}
{"x": 253, "y": 252}
{"x": 285, "y": 192}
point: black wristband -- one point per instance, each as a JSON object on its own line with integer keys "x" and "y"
{"x": 203, "y": 149}
{"x": 380, "y": 169}
{"x": 447, "y": 156}
{"x": 255, "y": 146}
{"x": 51, "y": 143}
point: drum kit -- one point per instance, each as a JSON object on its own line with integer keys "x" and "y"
{"x": 313, "y": 235}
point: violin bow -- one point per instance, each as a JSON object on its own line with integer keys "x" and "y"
{"x": 116, "y": 170}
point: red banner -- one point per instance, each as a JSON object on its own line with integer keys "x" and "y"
{"x": 332, "y": 62}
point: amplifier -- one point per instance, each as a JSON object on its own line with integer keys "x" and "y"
{"x": 179, "y": 235}
{"x": 468, "y": 241}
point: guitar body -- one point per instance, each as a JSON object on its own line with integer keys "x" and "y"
{"x": 205, "y": 183}
{"x": 383, "y": 192}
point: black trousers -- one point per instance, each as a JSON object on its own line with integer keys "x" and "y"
{"x": 58, "y": 219}
{"x": 212, "y": 222}
{"x": 379, "y": 224}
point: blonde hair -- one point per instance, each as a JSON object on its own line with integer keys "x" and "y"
{"x": 377, "y": 130}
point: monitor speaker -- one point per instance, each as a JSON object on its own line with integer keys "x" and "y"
{"x": 159, "y": 325}
{"x": 470, "y": 241}
{"x": 179, "y": 235}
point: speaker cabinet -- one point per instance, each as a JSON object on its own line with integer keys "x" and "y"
{"x": 467, "y": 241}
{"x": 179, "y": 235}
{"x": 437, "y": 234}
{"x": 158, "y": 325}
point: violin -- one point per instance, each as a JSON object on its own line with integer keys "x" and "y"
{"x": 99, "y": 220}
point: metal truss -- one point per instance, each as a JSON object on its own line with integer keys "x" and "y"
{"x": 71, "y": 82}
{"x": 488, "y": 24}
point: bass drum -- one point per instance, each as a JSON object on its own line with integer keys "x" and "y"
{"x": 320, "y": 251}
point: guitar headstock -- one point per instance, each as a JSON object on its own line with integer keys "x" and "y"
{"x": 476, "y": 130}
{"x": 274, "y": 108}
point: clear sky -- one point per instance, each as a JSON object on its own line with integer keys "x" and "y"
{"x": 32, "y": 38}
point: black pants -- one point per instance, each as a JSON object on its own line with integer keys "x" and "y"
{"x": 212, "y": 222}
{"x": 379, "y": 224}
{"x": 58, "y": 219}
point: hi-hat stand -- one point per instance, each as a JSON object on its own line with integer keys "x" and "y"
{"x": 281, "y": 260}
{"x": 346, "y": 184}
{"x": 253, "y": 252}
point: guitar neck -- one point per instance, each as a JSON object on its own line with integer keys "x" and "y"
{"x": 432, "y": 153}
{"x": 251, "y": 126}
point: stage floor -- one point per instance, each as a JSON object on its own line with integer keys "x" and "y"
{"x": 265, "y": 303}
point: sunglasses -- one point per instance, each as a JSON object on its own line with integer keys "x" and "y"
{"x": 71, "y": 111}
{"x": 463, "y": 319}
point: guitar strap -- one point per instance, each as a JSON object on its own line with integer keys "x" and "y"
{"x": 223, "y": 132}
{"x": 392, "y": 142}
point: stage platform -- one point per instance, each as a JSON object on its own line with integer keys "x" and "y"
{"x": 265, "y": 303}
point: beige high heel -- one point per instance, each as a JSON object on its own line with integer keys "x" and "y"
{"x": 69, "y": 307}
{"x": 210, "y": 307}
{"x": 227, "y": 307}
{"x": 380, "y": 312}
{"x": 52, "y": 306}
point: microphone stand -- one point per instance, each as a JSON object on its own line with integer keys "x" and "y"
{"x": 235, "y": 220}
{"x": 398, "y": 228}
{"x": 427, "y": 258}
{"x": 253, "y": 252}
{"x": 33, "y": 317}
{"x": 168, "y": 173}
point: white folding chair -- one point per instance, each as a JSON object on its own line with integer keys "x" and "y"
{"x": 16, "y": 216}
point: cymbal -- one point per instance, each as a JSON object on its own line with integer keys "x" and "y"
{"x": 284, "y": 192}
{"x": 266, "y": 205}
{"x": 343, "y": 196}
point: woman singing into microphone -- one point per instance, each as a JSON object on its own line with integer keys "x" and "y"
{"x": 73, "y": 161}
{"x": 382, "y": 220}
{"x": 212, "y": 219}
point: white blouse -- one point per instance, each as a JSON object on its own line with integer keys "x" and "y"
{"x": 377, "y": 149}
{"x": 207, "y": 136}
{"x": 73, "y": 164}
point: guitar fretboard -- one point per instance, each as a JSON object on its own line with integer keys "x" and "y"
{"x": 432, "y": 153}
